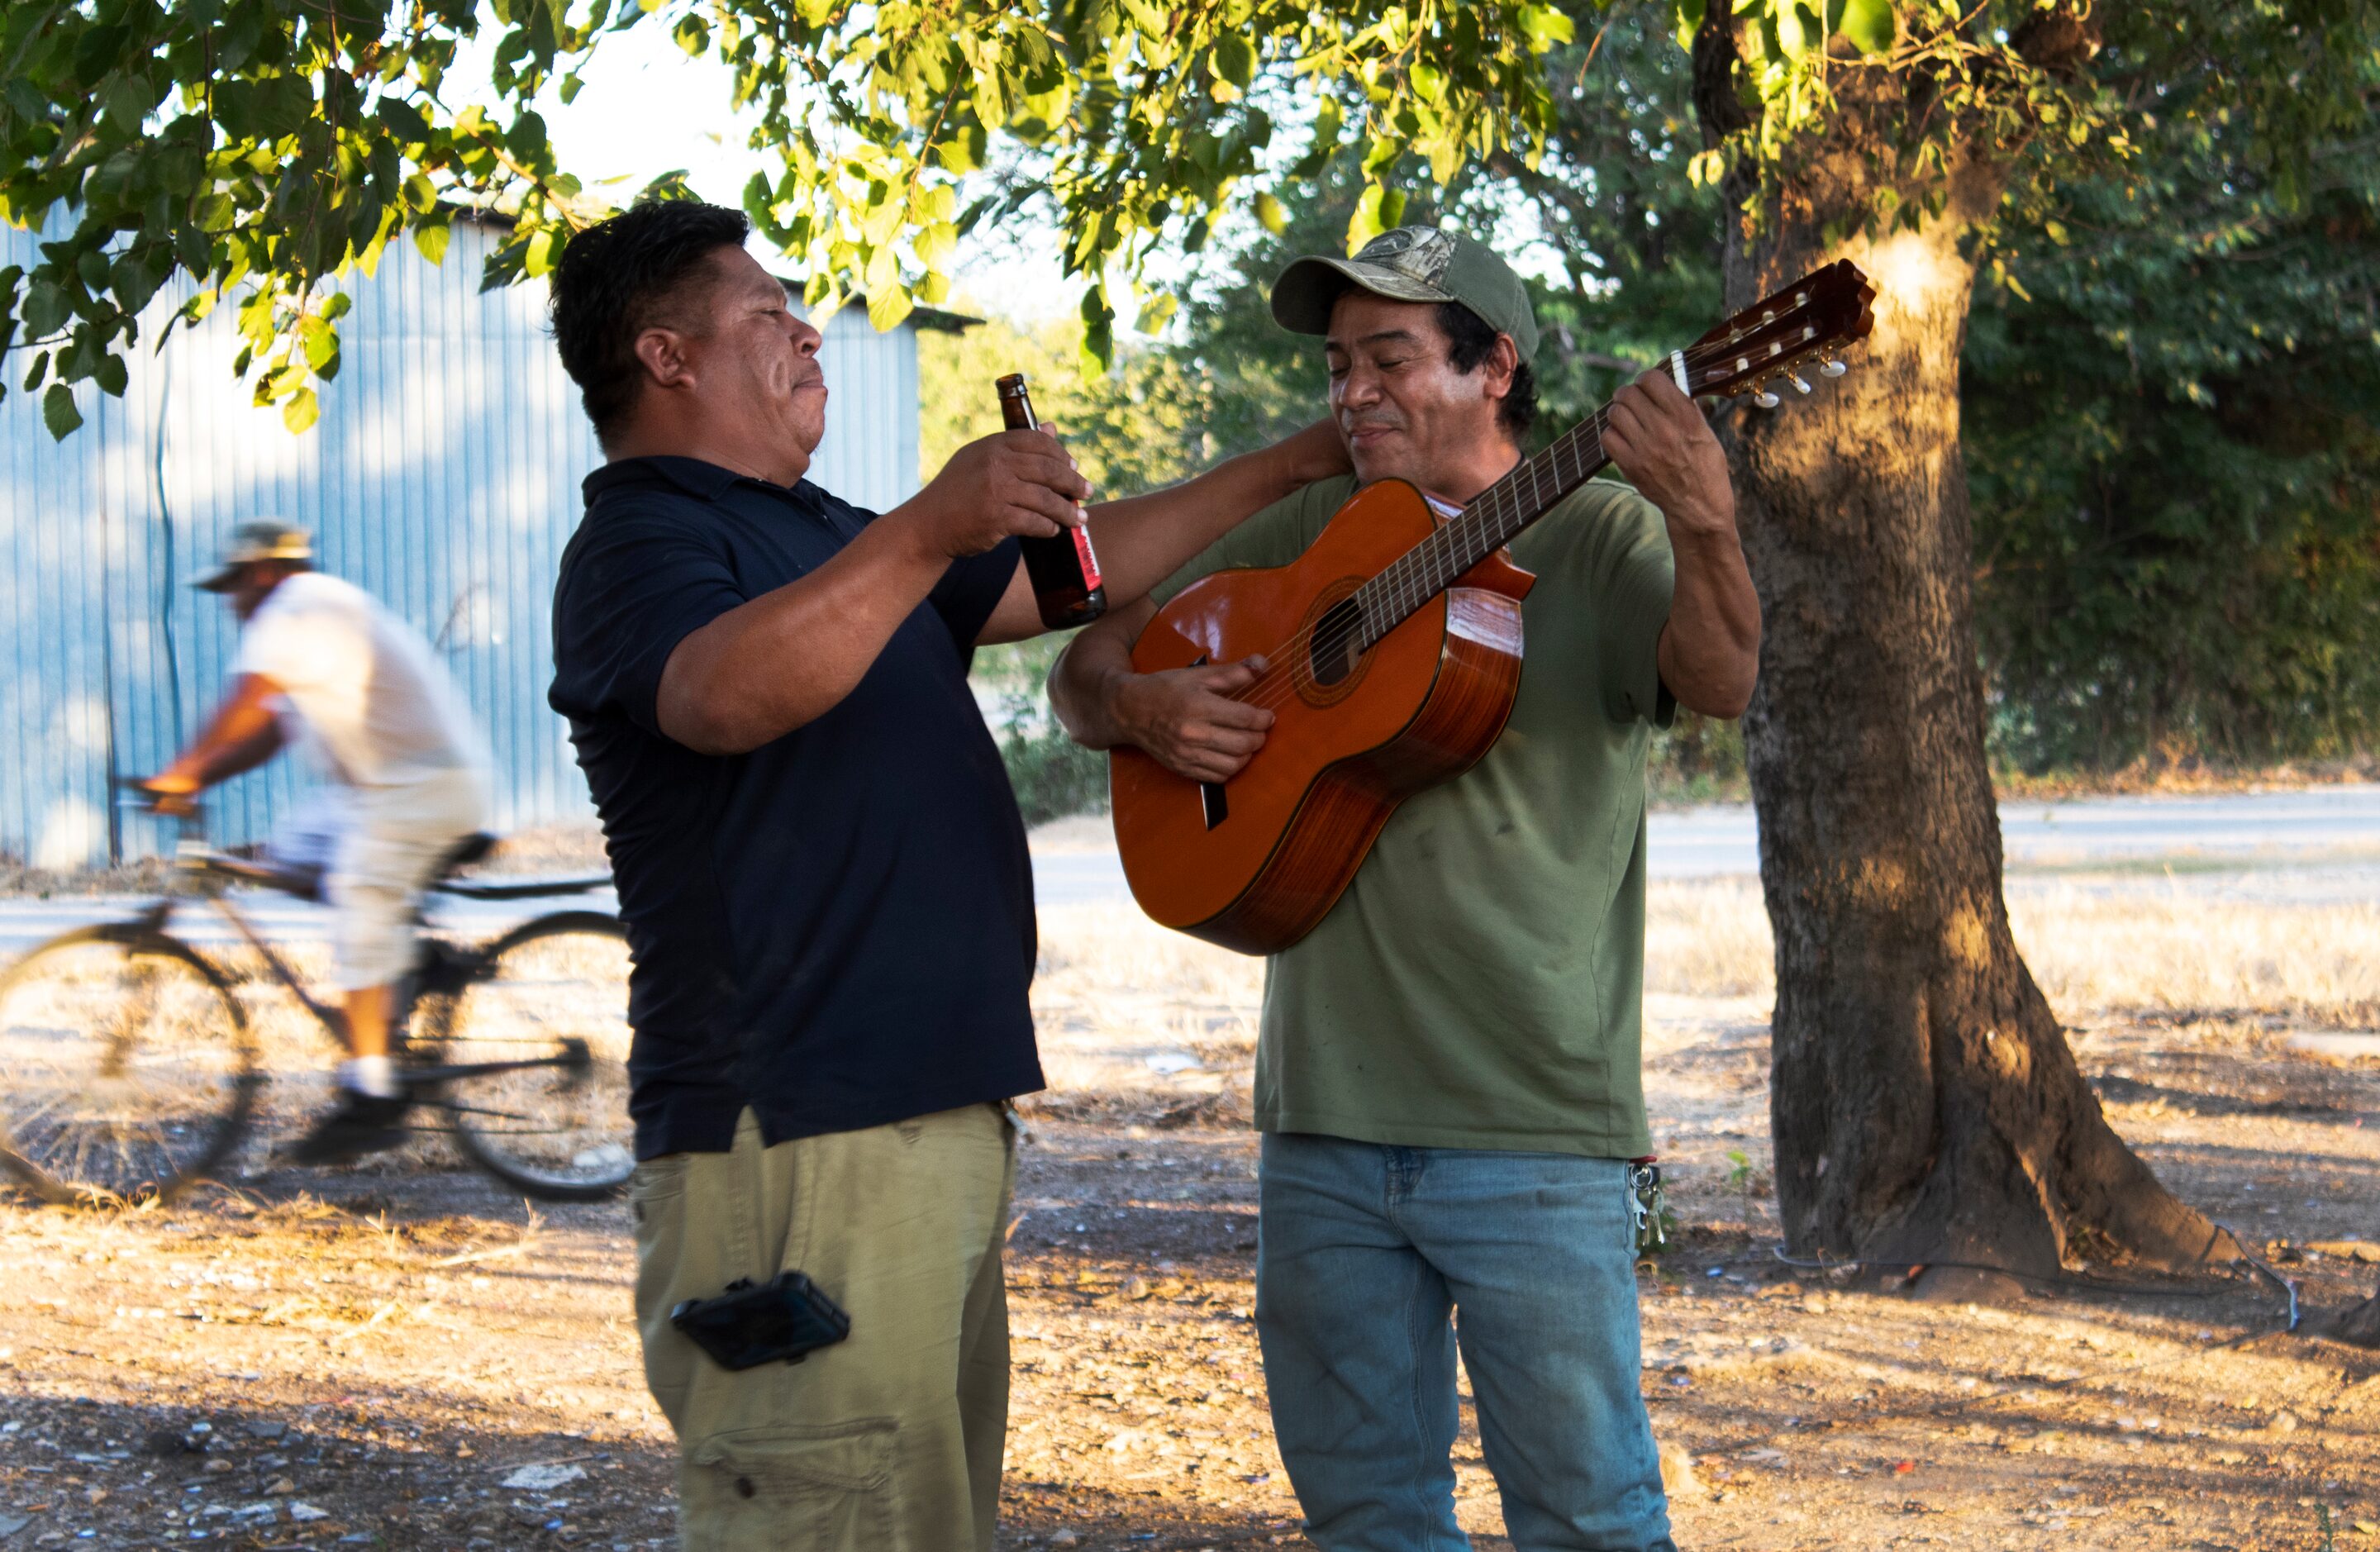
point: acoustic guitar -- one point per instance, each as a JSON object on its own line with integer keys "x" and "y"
{"x": 1394, "y": 653}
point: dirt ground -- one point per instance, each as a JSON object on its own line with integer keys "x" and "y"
{"x": 400, "y": 1356}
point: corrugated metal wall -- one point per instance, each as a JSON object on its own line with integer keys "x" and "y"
{"x": 442, "y": 477}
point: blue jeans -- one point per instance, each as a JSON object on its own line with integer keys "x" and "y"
{"x": 1363, "y": 1253}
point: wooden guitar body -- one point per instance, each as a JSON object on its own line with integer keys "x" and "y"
{"x": 1254, "y": 864}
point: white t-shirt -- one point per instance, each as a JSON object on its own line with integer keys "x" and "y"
{"x": 363, "y": 685}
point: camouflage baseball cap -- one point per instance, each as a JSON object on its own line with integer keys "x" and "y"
{"x": 1410, "y": 264}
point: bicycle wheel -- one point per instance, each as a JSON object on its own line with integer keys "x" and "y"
{"x": 538, "y": 1045}
{"x": 126, "y": 1066}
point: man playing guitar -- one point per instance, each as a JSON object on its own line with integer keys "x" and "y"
{"x": 1449, "y": 1079}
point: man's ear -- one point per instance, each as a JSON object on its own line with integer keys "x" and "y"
{"x": 1502, "y": 365}
{"x": 663, "y": 351}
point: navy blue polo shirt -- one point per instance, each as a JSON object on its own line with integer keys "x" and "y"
{"x": 835, "y": 929}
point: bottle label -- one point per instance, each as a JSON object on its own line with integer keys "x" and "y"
{"x": 1083, "y": 553}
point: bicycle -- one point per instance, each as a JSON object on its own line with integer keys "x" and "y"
{"x": 130, "y": 1067}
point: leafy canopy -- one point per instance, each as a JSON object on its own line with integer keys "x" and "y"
{"x": 257, "y": 151}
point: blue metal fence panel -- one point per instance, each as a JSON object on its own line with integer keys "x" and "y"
{"x": 868, "y": 457}
{"x": 443, "y": 478}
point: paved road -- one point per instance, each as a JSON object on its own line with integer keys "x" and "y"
{"x": 2325, "y": 840}
{"x": 2244, "y": 830}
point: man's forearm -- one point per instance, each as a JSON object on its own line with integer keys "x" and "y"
{"x": 1710, "y": 648}
{"x": 1084, "y": 681}
{"x": 786, "y": 657}
{"x": 242, "y": 734}
{"x": 1144, "y": 539}
{"x": 235, "y": 758}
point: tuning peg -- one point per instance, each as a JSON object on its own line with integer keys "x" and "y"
{"x": 1795, "y": 379}
{"x": 1765, "y": 399}
{"x": 1832, "y": 368}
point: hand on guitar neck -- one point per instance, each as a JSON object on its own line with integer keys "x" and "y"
{"x": 1710, "y": 652}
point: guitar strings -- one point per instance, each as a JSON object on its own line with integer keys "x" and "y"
{"x": 1410, "y": 579}
{"x": 1413, "y": 577}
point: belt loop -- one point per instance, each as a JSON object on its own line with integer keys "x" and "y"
{"x": 743, "y": 1191}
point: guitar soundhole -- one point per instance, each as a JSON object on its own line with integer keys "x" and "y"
{"x": 1336, "y": 646}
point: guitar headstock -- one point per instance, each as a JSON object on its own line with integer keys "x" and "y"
{"x": 1814, "y": 318}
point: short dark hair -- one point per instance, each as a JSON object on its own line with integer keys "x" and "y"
{"x": 617, "y": 279}
{"x": 1469, "y": 338}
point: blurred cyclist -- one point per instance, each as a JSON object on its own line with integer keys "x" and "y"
{"x": 322, "y": 661}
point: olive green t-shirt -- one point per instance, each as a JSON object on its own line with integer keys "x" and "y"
{"x": 1480, "y": 985}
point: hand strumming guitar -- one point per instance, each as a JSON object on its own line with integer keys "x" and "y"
{"x": 1187, "y": 719}
{"x": 1184, "y": 718}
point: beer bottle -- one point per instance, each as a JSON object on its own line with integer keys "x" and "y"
{"x": 1064, "y": 574}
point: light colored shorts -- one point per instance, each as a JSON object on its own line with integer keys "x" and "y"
{"x": 891, "y": 1440}
{"x": 394, "y": 838}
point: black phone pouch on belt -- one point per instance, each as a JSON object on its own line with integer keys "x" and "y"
{"x": 779, "y": 1321}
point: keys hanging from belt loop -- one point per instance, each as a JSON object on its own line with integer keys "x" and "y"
{"x": 1648, "y": 1204}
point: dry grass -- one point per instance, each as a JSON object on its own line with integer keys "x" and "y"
{"x": 1091, "y": 952}
{"x": 2096, "y": 946}
{"x": 2104, "y": 945}
{"x": 2160, "y": 949}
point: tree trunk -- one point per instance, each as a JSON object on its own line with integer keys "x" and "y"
{"x": 1925, "y": 1103}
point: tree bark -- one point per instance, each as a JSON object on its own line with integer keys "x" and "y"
{"x": 1925, "y": 1106}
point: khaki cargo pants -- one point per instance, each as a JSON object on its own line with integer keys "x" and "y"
{"x": 891, "y": 1440}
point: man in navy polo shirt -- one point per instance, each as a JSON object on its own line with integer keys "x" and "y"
{"x": 823, "y": 874}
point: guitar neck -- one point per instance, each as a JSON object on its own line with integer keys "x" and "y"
{"x": 1535, "y": 487}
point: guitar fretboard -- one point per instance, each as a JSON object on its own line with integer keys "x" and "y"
{"x": 1535, "y": 487}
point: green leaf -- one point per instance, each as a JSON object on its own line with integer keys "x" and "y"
{"x": 964, "y": 150}
{"x": 1546, "y": 27}
{"x": 134, "y": 283}
{"x": 935, "y": 243}
{"x": 300, "y": 410}
{"x": 432, "y": 241}
{"x": 58, "y": 412}
{"x": 46, "y": 308}
{"x": 1870, "y": 24}
{"x": 887, "y": 305}
{"x": 100, "y": 51}
{"x": 1366, "y": 223}
{"x": 404, "y": 120}
{"x": 1270, "y": 215}
{"x": 194, "y": 249}
{"x": 40, "y": 370}
{"x": 321, "y": 344}
{"x": 113, "y": 377}
{"x": 1235, "y": 58}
